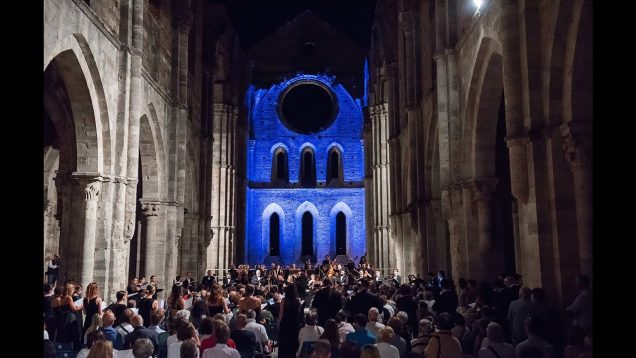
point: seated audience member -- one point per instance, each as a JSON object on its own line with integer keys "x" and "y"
{"x": 222, "y": 333}
{"x": 496, "y": 347}
{"x": 535, "y": 329}
{"x": 386, "y": 349}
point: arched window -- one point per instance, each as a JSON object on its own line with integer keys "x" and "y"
{"x": 307, "y": 234}
{"x": 274, "y": 235}
{"x": 334, "y": 167}
{"x": 307, "y": 168}
{"x": 280, "y": 172}
{"x": 341, "y": 234}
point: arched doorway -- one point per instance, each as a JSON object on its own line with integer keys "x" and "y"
{"x": 341, "y": 234}
{"x": 307, "y": 234}
{"x": 274, "y": 235}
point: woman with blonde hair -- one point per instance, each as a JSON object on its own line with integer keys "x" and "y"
{"x": 96, "y": 324}
{"x": 69, "y": 327}
{"x": 385, "y": 335}
{"x": 101, "y": 349}
{"x": 92, "y": 303}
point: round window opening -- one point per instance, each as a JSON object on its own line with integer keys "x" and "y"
{"x": 307, "y": 108}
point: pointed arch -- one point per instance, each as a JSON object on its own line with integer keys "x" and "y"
{"x": 484, "y": 98}
{"x": 310, "y": 209}
{"x": 344, "y": 209}
{"x": 265, "y": 244}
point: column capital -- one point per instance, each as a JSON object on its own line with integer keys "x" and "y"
{"x": 483, "y": 189}
{"x": 150, "y": 209}
{"x": 91, "y": 183}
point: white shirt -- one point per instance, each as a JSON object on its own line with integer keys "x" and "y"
{"x": 308, "y": 334}
{"x": 174, "y": 349}
{"x": 387, "y": 350}
{"x": 127, "y": 328}
{"x": 343, "y": 329}
{"x": 46, "y": 334}
{"x": 171, "y": 339}
{"x": 128, "y": 353}
{"x": 374, "y": 328}
{"x": 221, "y": 350}
{"x": 258, "y": 330}
{"x": 83, "y": 353}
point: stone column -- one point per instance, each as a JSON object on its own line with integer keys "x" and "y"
{"x": 381, "y": 194}
{"x": 483, "y": 191}
{"x": 578, "y": 152}
{"x": 91, "y": 185}
{"x": 223, "y": 186}
{"x": 150, "y": 210}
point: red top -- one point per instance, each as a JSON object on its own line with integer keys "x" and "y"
{"x": 211, "y": 342}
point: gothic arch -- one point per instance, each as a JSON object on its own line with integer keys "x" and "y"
{"x": 484, "y": 98}
{"x": 335, "y": 164}
{"x": 341, "y": 207}
{"x": 265, "y": 233}
{"x": 280, "y": 164}
{"x": 307, "y": 172}
{"x": 300, "y": 211}
{"x": 76, "y": 65}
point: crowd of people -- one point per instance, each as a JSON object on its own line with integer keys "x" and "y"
{"x": 327, "y": 310}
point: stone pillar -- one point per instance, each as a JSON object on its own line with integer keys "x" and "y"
{"x": 223, "y": 186}
{"x": 150, "y": 210}
{"x": 92, "y": 187}
{"x": 381, "y": 194}
{"x": 578, "y": 152}
{"x": 483, "y": 191}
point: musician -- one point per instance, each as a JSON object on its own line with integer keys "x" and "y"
{"x": 397, "y": 279}
{"x": 53, "y": 269}
{"x": 307, "y": 263}
{"x": 188, "y": 279}
{"x": 326, "y": 265}
{"x": 377, "y": 277}
{"x": 233, "y": 274}
{"x": 341, "y": 276}
{"x": 256, "y": 279}
{"x": 208, "y": 280}
{"x": 363, "y": 260}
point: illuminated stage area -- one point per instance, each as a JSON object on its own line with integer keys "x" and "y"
{"x": 305, "y": 194}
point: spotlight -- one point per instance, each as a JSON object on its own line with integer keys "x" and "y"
{"x": 478, "y": 3}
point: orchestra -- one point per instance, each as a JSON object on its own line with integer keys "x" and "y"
{"x": 311, "y": 274}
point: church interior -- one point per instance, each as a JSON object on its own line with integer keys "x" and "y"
{"x": 422, "y": 136}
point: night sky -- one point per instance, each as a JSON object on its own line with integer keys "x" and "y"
{"x": 254, "y": 20}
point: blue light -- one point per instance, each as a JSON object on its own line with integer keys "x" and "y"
{"x": 289, "y": 200}
{"x": 365, "y": 98}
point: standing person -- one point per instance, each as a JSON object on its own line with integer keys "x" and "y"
{"x": 289, "y": 323}
{"x": 208, "y": 280}
{"x": 581, "y": 309}
{"x": 53, "y": 269}
{"x": 68, "y": 326}
{"x": 92, "y": 303}
{"x": 148, "y": 305}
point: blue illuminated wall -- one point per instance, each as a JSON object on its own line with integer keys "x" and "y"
{"x": 289, "y": 200}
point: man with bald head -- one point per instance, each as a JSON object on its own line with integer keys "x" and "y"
{"x": 494, "y": 345}
{"x": 108, "y": 318}
{"x": 518, "y": 312}
{"x": 141, "y": 332}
